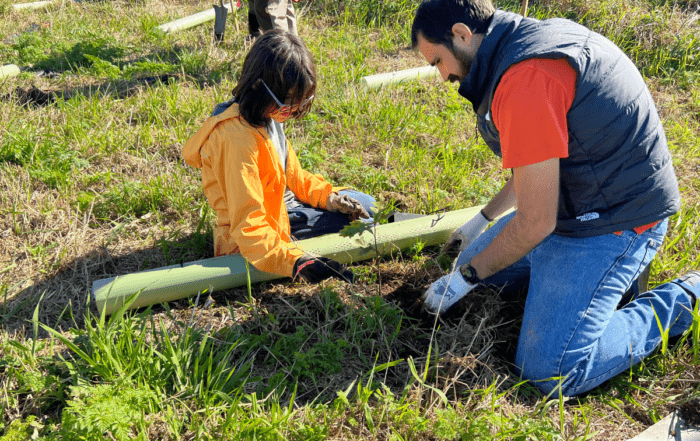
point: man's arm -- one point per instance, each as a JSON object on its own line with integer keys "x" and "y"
{"x": 536, "y": 188}
{"x": 502, "y": 202}
{"x": 461, "y": 237}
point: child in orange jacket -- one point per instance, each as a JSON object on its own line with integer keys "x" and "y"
{"x": 251, "y": 176}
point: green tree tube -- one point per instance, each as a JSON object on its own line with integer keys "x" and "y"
{"x": 190, "y": 21}
{"x": 385, "y": 79}
{"x": 179, "y": 281}
{"x": 9, "y": 70}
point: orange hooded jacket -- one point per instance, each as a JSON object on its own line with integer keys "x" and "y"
{"x": 244, "y": 182}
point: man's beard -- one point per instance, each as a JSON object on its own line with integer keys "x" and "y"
{"x": 465, "y": 64}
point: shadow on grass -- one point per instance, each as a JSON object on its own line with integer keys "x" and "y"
{"x": 315, "y": 339}
{"x": 35, "y": 97}
{"x": 117, "y": 88}
{"x": 66, "y": 295}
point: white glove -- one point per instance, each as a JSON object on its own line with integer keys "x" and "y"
{"x": 445, "y": 292}
{"x": 466, "y": 234}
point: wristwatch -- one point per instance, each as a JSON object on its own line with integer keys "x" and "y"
{"x": 469, "y": 273}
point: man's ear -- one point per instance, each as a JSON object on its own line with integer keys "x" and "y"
{"x": 462, "y": 31}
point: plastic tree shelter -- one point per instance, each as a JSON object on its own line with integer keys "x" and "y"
{"x": 33, "y": 5}
{"x": 179, "y": 281}
{"x": 9, "y": 70}
{"x": 191, "y": 20}
{"x": 385, "y": 79}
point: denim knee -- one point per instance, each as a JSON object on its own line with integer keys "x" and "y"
{"x": 556, "y": 388}
{"x": 550, "y": 383}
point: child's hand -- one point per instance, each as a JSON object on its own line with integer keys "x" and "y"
{"x": 315, "y": 269}
{"x": 346, "y": 204}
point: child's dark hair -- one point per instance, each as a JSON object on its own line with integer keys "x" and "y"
{"x": 283, "y": 62}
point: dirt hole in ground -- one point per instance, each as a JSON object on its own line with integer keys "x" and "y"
{"x": 690, "y": 412}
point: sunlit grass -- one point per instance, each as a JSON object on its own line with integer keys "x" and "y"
{"x": 92, "y": 185}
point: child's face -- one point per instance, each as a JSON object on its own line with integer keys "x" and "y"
{"x": 280, "y": 118}
{"x": 281, "y": 112}
{"x": 284, "y": 112}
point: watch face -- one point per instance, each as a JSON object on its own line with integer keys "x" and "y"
{"x": 467, "y": 272}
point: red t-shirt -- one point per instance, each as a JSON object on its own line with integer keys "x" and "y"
{"x": 529, "y": 110}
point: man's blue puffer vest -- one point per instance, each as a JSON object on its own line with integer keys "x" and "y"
{"x": 619, "y": 173}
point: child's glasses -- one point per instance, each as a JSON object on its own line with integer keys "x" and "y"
{"x": 288, "y": 109}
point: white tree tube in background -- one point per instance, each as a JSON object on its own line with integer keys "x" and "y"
{"x": 190, "y": 21}
{"x": 33, "y": 5}
{"x": 384, "y": 79}
{"x": 9, "y": 70}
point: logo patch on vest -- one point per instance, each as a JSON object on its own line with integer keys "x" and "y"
{"x": 588, "y": 217}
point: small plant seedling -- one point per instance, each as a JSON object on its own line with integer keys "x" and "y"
{"x": 382, "y": 213}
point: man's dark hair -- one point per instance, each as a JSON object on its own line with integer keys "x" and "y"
{"x": 434, "y": 19}
{"x": 283, "y": 62}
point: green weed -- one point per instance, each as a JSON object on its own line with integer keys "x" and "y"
{"x": 95, "y": 410}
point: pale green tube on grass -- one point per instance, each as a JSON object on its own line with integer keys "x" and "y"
{"x": 9, "y": 70}
{"x": 190, "y": 21}
{"x": 179, "y": 281}
{"x": 33, "y": 5}
{"x": 384, "y": 79}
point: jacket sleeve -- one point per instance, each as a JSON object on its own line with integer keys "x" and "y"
{"x": 239, "y": 179}
{"x": 309, "y": 188}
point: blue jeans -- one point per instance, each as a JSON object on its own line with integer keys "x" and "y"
{"x": 307, "y": 221}
{"x": 572, "y": 334}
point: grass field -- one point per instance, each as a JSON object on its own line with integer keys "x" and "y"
{"x": 92, "y": 185}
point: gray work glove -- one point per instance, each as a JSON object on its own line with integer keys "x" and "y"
{"x": 466, "y": 234}
{"x": 445, "y": 292}
{"x": 347, "y": 205}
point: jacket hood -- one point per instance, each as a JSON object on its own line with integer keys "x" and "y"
{"x": 191, "y": 151}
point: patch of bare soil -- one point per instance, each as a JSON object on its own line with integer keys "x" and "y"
{"x": 32, "y": 96}
{"x": 689, "y": 412}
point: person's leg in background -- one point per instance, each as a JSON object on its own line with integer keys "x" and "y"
{"x": 253, "y": 25}
{"x": 291, "y": 18}
{"x": 281, "y": 15}
{"x": 260, "y": 8}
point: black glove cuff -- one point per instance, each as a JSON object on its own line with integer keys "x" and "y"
{"x": 301, "y": 263}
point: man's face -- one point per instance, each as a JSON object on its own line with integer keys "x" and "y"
{"x": 453, "y": 65}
